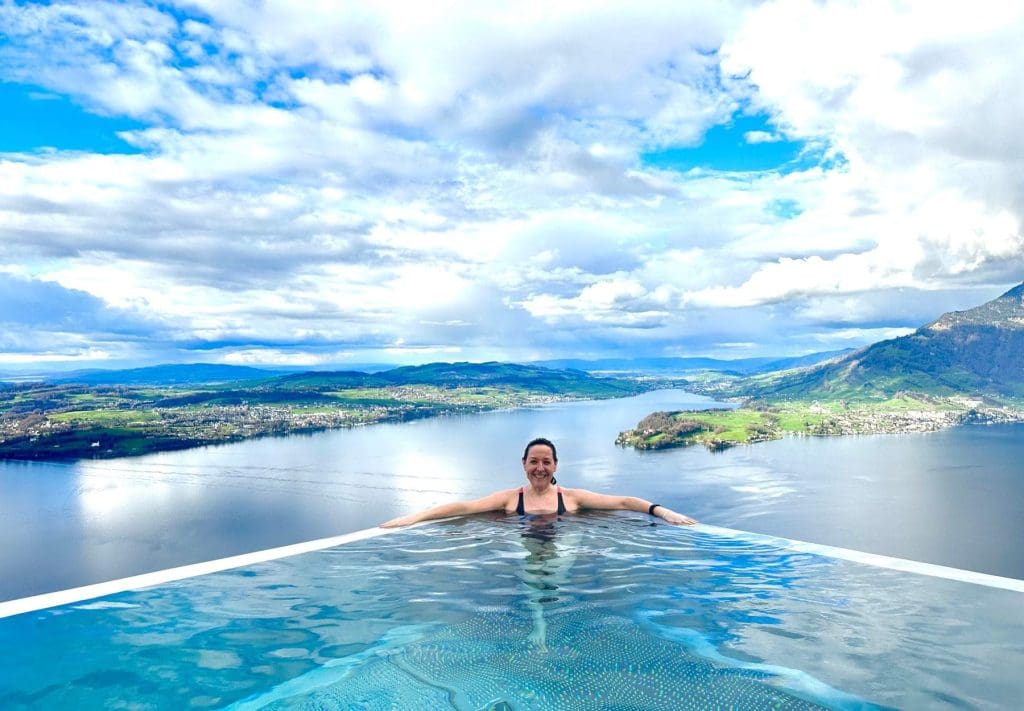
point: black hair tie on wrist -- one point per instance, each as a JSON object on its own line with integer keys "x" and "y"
{"x": 650, "y": 511}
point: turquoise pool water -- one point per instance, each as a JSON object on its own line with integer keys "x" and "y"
{"x": 596, "y": 611}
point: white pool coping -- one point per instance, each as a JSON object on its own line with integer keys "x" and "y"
{"x": 161, "y": 577}
{"x": 879, "y": 561}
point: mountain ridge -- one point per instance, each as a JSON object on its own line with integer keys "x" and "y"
{"x": 977, "y": 352}
{"x": 186, "y": 374}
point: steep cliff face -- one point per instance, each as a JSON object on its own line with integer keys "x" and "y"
{"x": 979, "y": 351}
{"x": 1006, "y": 312}
{"x": 982, "y": 347}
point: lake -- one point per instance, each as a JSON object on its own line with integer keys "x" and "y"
{"x": 954, "y": 498}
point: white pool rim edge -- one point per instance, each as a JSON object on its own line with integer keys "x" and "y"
{"x": 71, "y": 596}
{"x": 874, "y": 559}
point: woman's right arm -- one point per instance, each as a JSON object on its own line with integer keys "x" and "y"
{"x": 491, "y": 502}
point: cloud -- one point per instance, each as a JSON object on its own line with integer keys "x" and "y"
{"x": 761, "y": 137}
{"x": 466, "y": 178}
{"x": 43, "y": 318}
{"x": 615, "y": 301}
{"x": 914, "y": 99}
{"x": 278, "y": 356}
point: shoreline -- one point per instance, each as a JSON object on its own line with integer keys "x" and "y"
{"x": 721, "y": 429}
{"x": 232, "y": 424}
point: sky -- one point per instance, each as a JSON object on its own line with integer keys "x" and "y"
{"x": 322, "y": 184}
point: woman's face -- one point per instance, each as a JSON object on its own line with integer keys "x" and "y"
{"x": 540, "y": 465}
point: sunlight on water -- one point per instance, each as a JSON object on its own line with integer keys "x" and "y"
{"x": 902, "y": 496}
{"x": 508, "y": 613}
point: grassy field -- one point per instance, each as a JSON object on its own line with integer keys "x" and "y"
{"x": 715, "y": 429}
{"x": 67, "y": 421}
{"x": 732, "y": 425}
{"x": 718, "y": 429}
{"x": 106, "y": 417}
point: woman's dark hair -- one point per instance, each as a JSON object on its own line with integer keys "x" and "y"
{"x": 541, "y": 440}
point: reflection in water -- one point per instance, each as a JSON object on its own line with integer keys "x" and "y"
{"x": 101, "y": 520}
{"x": 639, "y": 616}
{"x": 551, "y": 554}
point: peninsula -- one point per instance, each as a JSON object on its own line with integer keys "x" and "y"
{"x": 964, "y": 367}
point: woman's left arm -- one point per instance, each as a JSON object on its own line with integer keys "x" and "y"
{"x": 589, "y": 500}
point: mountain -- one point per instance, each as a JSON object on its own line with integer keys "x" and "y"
{"x": 975, "y": 352}
{"x": 801, "y": 361}
{"x": 552, "y": 372}
{"x": 463, "y": 374}
{"x": 739, "y": 366}
{"x": 478, "y": 374}
{"x": 235, "y": 381}
{"x": 178, "y": 374}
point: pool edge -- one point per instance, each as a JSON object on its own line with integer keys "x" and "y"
{"x": 71, "y": 596}
{"x": 34, "y": 603}
{"x": 874, "y": 559}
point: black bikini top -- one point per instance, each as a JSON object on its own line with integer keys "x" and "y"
{"x": 521, "y": 507}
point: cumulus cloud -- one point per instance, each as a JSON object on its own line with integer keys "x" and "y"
{"x": 617, "y": 301}
{"x": 913, "y": 97}
{"x": 761, "y": 137}
{"x": 467, "y": 178}
{"x": 40, "y": 319}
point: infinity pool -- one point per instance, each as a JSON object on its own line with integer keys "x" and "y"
{"x": 595, "y": 611}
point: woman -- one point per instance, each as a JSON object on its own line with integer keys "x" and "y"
{"x": 541, "y": 496}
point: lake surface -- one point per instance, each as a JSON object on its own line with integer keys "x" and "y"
{"x": 954, "y": 497}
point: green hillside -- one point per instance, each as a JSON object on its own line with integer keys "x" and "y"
{"x": 966, "y": 366}
{"x": 978, "y": 352}
{"x": 326, "y": 386}
{"x": 75, "y": 420}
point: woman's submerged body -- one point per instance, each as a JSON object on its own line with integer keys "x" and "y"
{"x": 541, "y": 496}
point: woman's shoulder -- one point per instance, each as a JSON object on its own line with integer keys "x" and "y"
{"x": 492, "y": 502}
{"x": 574, "y": 493}
{"x": 504, "y": 495}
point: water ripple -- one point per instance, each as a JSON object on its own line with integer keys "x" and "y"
{"x": 532, "y": 613}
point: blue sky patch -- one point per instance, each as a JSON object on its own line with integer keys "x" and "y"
{"x": 786, "y": 209}
{"x": 746, "y": 143}
{"x": 33, "y": 118}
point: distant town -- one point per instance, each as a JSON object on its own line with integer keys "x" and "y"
{"x": 54, "y": 421}
{"x": 723, "y": 428}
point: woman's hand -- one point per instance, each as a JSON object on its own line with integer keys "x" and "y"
{"x": 401, "y": 521}
{"x": 672, "y": 517}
